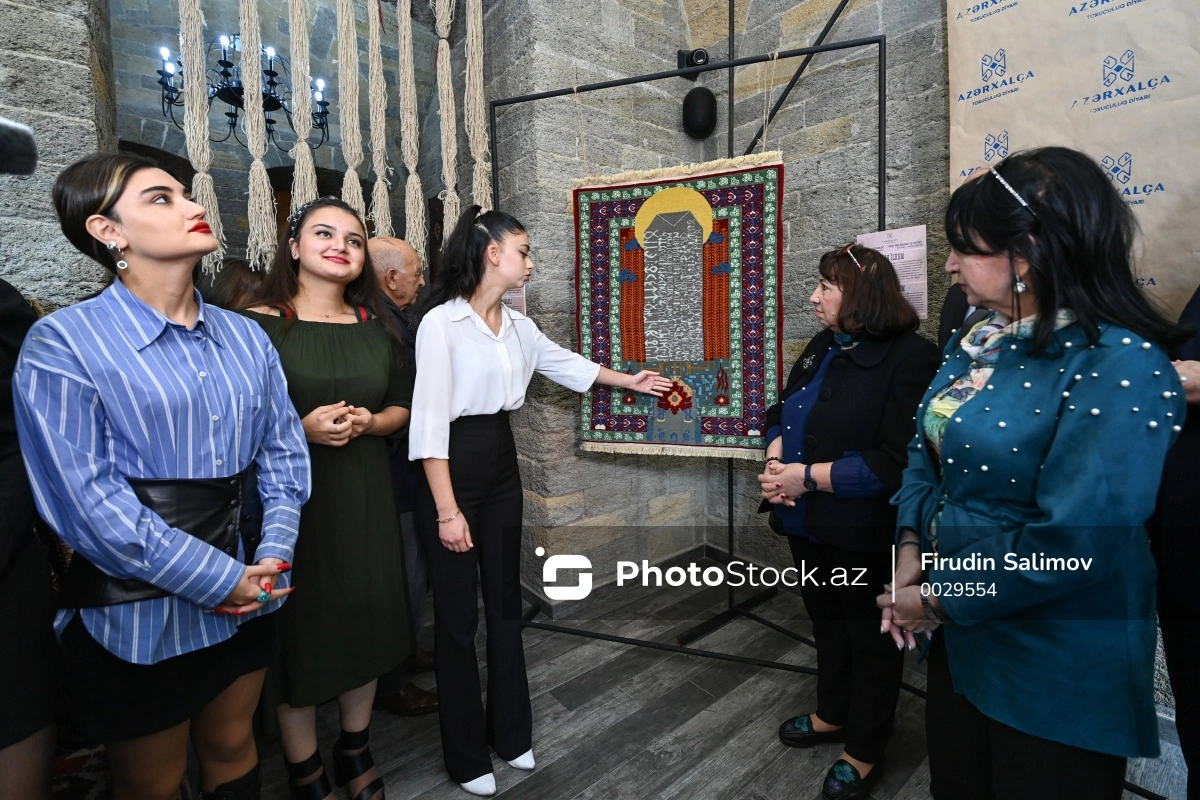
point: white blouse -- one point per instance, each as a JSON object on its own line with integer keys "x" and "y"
{"x": 464, "y": 369}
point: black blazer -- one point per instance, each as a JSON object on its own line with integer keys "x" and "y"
{"x": 1175, "y": 527}
{"x": 954, "y": 313}
{"x": 866, "y": 406}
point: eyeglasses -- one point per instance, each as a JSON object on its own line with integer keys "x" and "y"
{"x": 846, "y": 251}
{"x": 1013, "y": 192}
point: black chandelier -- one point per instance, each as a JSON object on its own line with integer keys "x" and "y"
{"x": 225, "y": 87}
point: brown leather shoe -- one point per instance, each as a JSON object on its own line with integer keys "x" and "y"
{"x": 411, "y": 701}
{"x": 421, "y": 661}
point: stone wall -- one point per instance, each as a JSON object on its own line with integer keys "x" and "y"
{"x": 58, "y": 79}
{"x": 827, "y": 130}
{"x": 141, "y": 27}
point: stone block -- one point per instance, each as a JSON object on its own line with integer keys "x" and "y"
{"x": 672, "y": 508}
{"x": 28, "y": 196}
{"x": 48, "y": 268}
{"x": 815, "y": 139}
{"x": 663, "y": 543}
{"x": 50, "y": 35}
{"x": 708, "y": 21}
{"x": 60, "y": 139}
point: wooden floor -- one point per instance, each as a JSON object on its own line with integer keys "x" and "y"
{"x": 615, "y": 721}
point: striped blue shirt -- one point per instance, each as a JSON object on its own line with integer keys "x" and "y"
{"x": 111, "y": 388}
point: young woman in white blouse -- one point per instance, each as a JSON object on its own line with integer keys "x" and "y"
{"x": 475, "y": 358}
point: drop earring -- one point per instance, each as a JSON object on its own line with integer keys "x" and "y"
{"x": 1019, "y": 287}
{"x": 121, "y": 263}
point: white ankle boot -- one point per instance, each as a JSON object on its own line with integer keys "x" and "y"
{"x": 484, "y": 785}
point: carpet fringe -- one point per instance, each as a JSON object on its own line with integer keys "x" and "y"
{"x": 634, "y": 448}
{"x": 772, "y": 158}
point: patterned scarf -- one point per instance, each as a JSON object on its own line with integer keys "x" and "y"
{"x": 983, "y": 344}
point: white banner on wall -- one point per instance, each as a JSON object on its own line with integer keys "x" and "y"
{"x": 906, "y": 248}
{"x": 1117, "y": 79}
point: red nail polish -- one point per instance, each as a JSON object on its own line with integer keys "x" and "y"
{"x": 266, "y": 586}
{"x": 283, "y": 566}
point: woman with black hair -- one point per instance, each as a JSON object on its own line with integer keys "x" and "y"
{"x": 141, "y": 412}
{"x": 1039, "y": 451}
{"x": 475, "y": 357}
{"x": 836, "y": 446}
{"x": 321, "y": 308}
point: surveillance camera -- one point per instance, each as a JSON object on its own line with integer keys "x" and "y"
{"x": 692, "y": 58}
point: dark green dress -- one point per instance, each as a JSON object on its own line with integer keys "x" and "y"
{"x": 347, "y": 622}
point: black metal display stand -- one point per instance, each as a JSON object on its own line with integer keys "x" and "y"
{"x": 733, "y": 609}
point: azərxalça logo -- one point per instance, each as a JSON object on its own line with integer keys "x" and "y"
{"x": 985, "y": 8}
{"x": 1120, "y": 172}
{"x": 1117, "y": 74}
{"x": 995, "y": 146}
{"x": 998, "y": 79}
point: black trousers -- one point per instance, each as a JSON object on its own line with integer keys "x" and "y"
{"x": 1181, "y": 641}
{"x": 858, "y": 668}
{"x": 487, "y": 487}
{"x": 973, "y": 757}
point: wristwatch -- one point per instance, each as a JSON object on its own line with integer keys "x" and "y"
{"x": 931, "y": 613}
{"x": 810, "y": 483}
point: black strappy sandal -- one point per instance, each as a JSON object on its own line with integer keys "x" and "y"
{"x": 348, "y": 767}
{"x": 316, "y": 789}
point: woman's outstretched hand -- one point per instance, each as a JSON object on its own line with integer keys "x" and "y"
{"x": 648, "y": 382}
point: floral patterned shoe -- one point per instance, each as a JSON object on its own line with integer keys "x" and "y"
{"x": 843, "y": 781}
{"x": 798, "y": 732}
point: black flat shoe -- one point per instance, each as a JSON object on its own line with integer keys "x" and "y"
{"x": 843, "y": 781}
{"x": 798, "y": 732}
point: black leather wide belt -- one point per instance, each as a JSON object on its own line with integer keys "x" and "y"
{"x": 207, "y": 508}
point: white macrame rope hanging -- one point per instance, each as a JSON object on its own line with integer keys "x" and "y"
{"x": 414, "y": 195}
{"x": 195, "y": 121}
{"x": 451, "y": 205}
{"x": 304, "y": 177}
{"x": 381, "y": 202}
{"x": 474, "y": 108}
{"x": 260, "y": 210}
{"x": 348, "y": 99}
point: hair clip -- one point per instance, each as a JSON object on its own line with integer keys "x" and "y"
{"x": 846, "y": 251}
{"x": 298, "y": 214}
{"x": 1012, "y": 191}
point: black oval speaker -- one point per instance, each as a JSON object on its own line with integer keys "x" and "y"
{"x": 699, "y": 113}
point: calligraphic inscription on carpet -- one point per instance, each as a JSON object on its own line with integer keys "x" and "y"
{"x": 679, "y": 272}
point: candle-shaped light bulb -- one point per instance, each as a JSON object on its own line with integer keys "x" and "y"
{"x": 225, "y": 42}
{"x": 319, "y": 96}
{"x": 270, "y": 52}
{"x": 170, "y": 68}
{"x": 164, "y": 52}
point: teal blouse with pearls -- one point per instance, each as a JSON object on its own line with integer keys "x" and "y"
{"x": 1040, "y": 493}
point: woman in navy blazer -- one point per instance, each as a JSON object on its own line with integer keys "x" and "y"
{"x": 1039, "y": 451}
{"x": 835, "y": 453}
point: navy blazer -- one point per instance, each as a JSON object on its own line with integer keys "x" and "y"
{"x": 865, "y": 407}
{"x": 1059, "y": 456}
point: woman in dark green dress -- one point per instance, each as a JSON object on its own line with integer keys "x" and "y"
{"x": 347, "y": 381}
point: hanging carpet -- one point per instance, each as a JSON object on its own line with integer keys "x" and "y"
{"x": 678, "y": 271}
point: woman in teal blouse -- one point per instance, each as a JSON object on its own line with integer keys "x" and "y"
{"x": 1039, "y": 452}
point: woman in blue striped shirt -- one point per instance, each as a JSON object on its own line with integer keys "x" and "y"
{"x": 140, "y": 413}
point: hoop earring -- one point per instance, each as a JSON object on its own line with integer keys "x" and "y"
{"x": 122, "y": 263}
